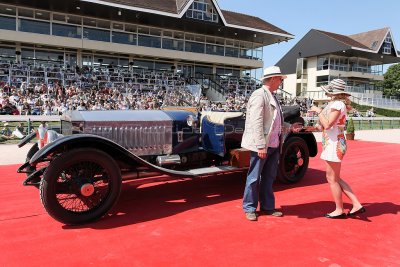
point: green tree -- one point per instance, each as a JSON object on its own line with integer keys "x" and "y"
{"x": 391, "y": 84}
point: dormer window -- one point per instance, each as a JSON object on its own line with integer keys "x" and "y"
{"x": 374, "y": 44}
{"x": 202, "y": 10}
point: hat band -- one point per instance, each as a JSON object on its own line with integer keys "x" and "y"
{"x": 271, "y": 74}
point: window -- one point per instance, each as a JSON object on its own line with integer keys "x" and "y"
{"x": 26, "y": 25}
{"x": 149, "y": 41}
{"x": 59, "y": 17}
{"x": 194, "y": 47}
{"x": 7, "y": 10}
{"x": 231, "y": 52}
{"x": 374, "y": 44}
{"x": 67, "y": 30}
{"x": 258, "y": 53}
{"x": 214, "y": 50}
{"x": 124, "y": 38}
{"x": 144, "y": 64}
{"x": 42, "y": 15}
{"x": 7, "y": 52}
{"x": 163, "y": 66}
{"x": 323, "y": 63}
{"x": 7, "y": 23}
{"x": 322, "y": 80}
{"x": 131, "y": 28}
{"x": 172, "y": 44}
{"x": 246, "y": 50}
{"x": 48, "y": 55}
{"x": 387, "y": 45}
{"x": 89, "y": 22}
{"x": 28, "y": 13}
{"x": 202, "y": 10}
{"x": 27, "y": 53}
{"x": 103, "y": 24}
{"x": 203, "y": 69}
{"x": 96, "y": 35}
{"x": 105, "y": 61}
{"x": 118, "y": 26}
{"x": 168, "y": 34}
{"x": 87, "y": 60}
{"x": 74, "y": 20}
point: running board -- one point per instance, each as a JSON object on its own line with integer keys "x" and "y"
{"x": 216, "y": 169}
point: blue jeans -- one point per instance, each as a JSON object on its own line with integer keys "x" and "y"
{"x": 260, "y": 178}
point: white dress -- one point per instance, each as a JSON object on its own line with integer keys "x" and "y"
{"x": 333, "y": 140}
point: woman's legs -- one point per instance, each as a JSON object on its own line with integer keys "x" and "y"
{"x": 333, "y": 177}
{"x": 350, "y": 194}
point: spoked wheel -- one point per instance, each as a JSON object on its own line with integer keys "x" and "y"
{"x": 294, "y": 160}
{"x": 80, "y": 186}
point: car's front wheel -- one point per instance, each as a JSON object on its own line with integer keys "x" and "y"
{"x": 294, "y": 160}
{"x": 80, "y": 186}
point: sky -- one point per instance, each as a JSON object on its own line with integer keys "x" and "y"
{"x": 300, "y": 16}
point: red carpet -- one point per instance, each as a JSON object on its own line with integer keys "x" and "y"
{"x": 201, "y": 223}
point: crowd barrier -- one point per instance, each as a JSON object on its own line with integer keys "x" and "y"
{"x": 367, "y": 123}
{"x": 360, "y": 123}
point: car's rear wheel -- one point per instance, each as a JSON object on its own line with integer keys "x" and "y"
{"x": 80, "y": 186}
{"x": 294, "y": 160}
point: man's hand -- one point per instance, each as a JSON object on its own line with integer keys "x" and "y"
{"x": 262, "y": 153}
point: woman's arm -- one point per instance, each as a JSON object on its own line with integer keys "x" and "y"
{"x": 328, "y": 122}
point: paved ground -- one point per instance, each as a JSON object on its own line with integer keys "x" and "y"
{"x": 11, "y": 154}
{"x": 387, "y": 136}
{"x": 200, "y": 222}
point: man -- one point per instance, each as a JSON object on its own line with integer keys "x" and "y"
{"x": 6, "y": 133}
{"x": 262, "y": 136}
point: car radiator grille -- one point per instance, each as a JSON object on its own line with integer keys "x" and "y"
{"x": 140, "y": 140}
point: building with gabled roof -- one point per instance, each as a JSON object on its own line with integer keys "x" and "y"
{"x": 188, "y": 36}
{"x": 321, "y": 56}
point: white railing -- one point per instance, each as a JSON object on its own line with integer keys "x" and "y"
{"x": 366, "y": 123}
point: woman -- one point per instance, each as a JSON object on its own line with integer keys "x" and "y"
{"x": 332, "y": 120}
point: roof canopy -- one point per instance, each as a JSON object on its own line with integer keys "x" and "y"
{"x": 168, "y": 14}
{"x": 370, "y": 45}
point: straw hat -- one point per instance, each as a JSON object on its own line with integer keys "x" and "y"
{"x": 335, "y": 87}
{"x": 273, "y": 71}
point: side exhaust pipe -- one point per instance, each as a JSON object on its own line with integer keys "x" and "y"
{"x": 168, "y": 160}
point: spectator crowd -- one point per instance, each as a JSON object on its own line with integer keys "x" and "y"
{"x": 48, "y": 91}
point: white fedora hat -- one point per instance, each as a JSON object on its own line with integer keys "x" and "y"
{"x": 335, "y": 87}
{"x": 272, "y": 71}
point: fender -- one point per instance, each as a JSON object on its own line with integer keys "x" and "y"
{"x": 310, "y": 140}
{"x": 89, "y": 140}
{"x": 26, "y": 139}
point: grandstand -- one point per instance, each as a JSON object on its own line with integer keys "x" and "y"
{"x": 140, "y": 54}
{"x": 131, "y": 46}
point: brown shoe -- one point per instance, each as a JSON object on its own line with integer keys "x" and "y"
{"x": 275, "y": 213}
{"x": 251, "y": 216}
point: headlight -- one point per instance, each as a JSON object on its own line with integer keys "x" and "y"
{"x": 191, "y": 121}
{"x": 52, "y": 136}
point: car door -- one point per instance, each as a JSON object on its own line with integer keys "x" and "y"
{"x": 212, "y": 137}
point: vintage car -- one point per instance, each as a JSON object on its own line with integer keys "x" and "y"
{"x": 79, "y": 170}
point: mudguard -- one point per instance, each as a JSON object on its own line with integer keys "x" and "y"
{"x": 310, "y": 140}
{"x": 26, "y": 139}
{"x": 95, "y": 141}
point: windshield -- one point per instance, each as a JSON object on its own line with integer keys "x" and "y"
{"x": 183, "y": 96}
